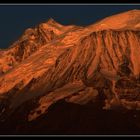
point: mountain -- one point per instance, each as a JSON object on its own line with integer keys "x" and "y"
{"x": 31, "y": 40}
{"x": 96, "y": 65}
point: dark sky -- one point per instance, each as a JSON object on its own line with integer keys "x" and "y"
{"x": 14, "y": 19}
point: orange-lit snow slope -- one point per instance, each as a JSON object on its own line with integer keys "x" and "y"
{"x": 52, "y": 62}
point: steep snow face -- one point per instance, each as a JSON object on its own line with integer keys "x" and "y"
{"x": 35, "y": 38}
{"x": 30, "y": 42}
{"x": 73, "y": 63}
{"x": 53, "y": 67}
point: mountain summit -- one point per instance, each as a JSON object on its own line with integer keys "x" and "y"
{"x": 51, "y": 21}
{"x": 78, "y": 65}
{"x": 125, "y": 20}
